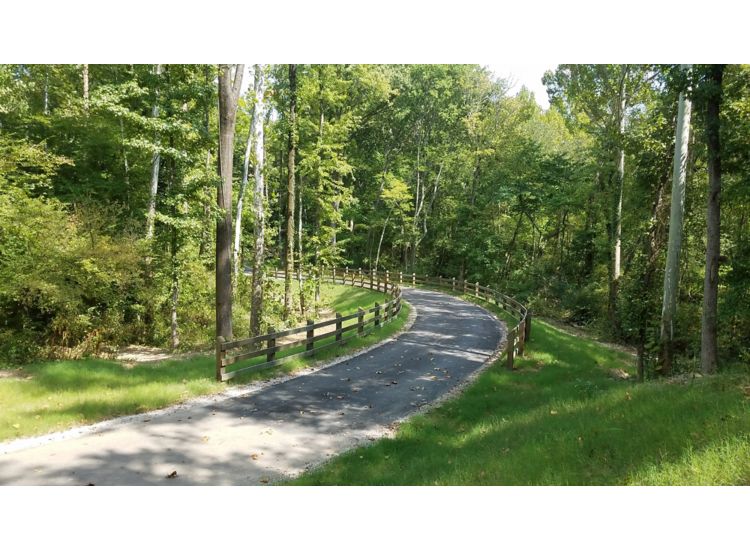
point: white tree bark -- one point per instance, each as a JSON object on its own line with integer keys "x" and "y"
{"x": 243, "y": 187}
{"x": 259, "y": 116}
{"x": 672, "y": 269}
{"x": 155, "y": 161}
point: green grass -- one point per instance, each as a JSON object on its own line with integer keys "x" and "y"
{"x": 56, "y": 395}
{"x": 561, "y": 420}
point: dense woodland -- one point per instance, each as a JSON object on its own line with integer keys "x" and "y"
{"x": 148, "y": 203}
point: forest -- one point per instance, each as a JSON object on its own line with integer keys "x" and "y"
{"x": 150, "y": 204}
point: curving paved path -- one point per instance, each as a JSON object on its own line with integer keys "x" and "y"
{"x": 283, "y": 428}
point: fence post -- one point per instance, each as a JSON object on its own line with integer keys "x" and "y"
{"x": 371, "y": 272}
{"x": 377, "y": 315}
{"x": 440, "y": 280}
{"x": 338, "y": 327}
{"x": 453, "y": 284}
{"x": 510, "y": 348}
{"x": 464, "y": 286}
{"x": 346, "y": 273}
{"x": 413, "y": 279}
{"x": 360, "y": 321}
{"x": 522, "y": 338}
{"x": 310, "y": 334}
{"x": 387, "y": 279}
{"x": 334, "y": 274}
{"x": 221, "y": 354}
{"x": 386, "y": 306}
{"x": 528, "y": 325}
{"x": 271, "y": 355}
{"x": 476, "y": 289}
{"x": 400, "y": 277}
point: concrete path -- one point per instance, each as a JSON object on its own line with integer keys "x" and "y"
{"x": 282, "y": 429}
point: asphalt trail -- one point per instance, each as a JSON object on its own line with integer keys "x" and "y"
{"x": 284, "y": 428}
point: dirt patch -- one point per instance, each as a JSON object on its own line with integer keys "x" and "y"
{"x": 15, "y": 374}
{"x": 134, "y": 355}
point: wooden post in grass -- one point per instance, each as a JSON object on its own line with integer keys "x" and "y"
{"x": 527, "y": 325}
{"x": 510, "y": 348}
{"x": 271, "y": 354}
{"x": 453, "y": 284}
{"x": 464, "y": 286}
{"x": 400, "y": 277}
{"x": 521, "y": 338}
{"x": 221, "y": 355}
{"x": 476, "y": 289}
{"x": 387, "y": 280}
{"x": 440, "y": 280}
{"x": 413, "y": 279}
{"x": 377, "y": 315}
{"x": 334, "y": 274}
{"x": 385, "y": 312}
{"x": 338, "y": 327}
{"x": 371, "y": 279}
{"x": 360, "y": 321}
{"x": 310, "y": 334}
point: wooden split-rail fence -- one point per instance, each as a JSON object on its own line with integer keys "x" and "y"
{"x": 343, "y": 328}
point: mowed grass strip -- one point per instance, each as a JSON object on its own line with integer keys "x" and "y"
{"x": 560, "y": 419}
{"x": 56, "y": 395}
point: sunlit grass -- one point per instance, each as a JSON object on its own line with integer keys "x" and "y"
{"x": 560, "y": 419}
{"x": 56, "y": 395}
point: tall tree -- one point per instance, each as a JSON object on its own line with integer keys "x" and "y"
{"x": 155, "y": 163}
{"x": 677, "y": 211}
{"x": 230, "y": 82}
{"x": 291, "y": 152}
{"x": 259, "y": 116}
{"x": 709, "y": 347}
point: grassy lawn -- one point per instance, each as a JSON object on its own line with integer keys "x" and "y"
{"x": 561, "y": 420}
{"x": 56, "y": 395}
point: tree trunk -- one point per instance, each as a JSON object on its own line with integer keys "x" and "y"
{"x": 617, "y": 221}
{"x": 259, "y": 115}
{"x": 155, "y": 162}
{"x": 229, "y": 92}
{"x": 709, "y": 323}
{"x": 86, "y": 87}
{"x": 241, "y": 195}
{"x": 289, "y": 264}
{"x": 380, "y": 243}
{"x": 677, "y": 211}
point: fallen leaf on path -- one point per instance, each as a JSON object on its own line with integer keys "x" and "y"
{"x": 172, "y": 475}
{"x": 254, "y": 456}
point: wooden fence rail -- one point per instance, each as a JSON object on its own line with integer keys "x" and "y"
{"x": 344, "y": 328}
{"x": 363, "y": 321}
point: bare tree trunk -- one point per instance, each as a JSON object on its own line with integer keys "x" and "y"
{"x": 289, "y": 264}
{"x": 380, "y": 243}
{"x": 259, "y": 116}
{"x": 155, "y": 162}
{"x": 709, "y": 322}
{"x": 677, "y": 211}
{"x": 230, "y": 82}
{"x": 46, "y": 91}
{"x": 86, "y": 87}
{"x": 241, "y": 197}
{"x": 617, "y": 221}
{"x": 299, "y": 252}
